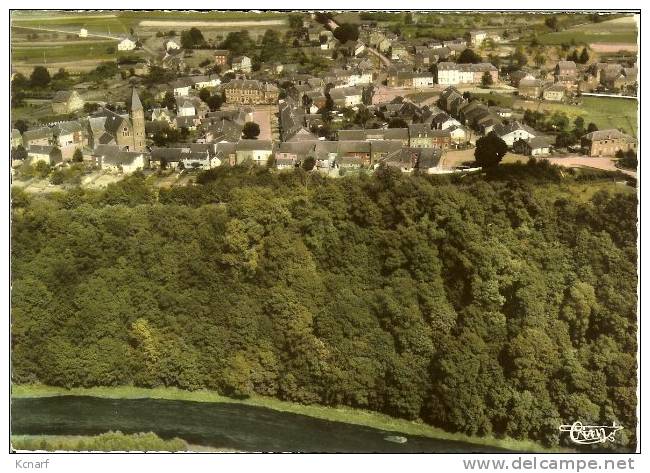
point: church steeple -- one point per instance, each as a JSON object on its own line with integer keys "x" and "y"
{"x": 137, "y": 120}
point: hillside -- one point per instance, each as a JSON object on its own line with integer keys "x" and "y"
{"x": 502, "y": 304}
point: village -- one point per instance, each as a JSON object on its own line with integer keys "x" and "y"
{"x": 354, "y": 96}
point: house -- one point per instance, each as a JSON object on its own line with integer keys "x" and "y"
{"x": 410, "y": 79}
{"x": 198, "y": 160}
{"x": 113, "y": 159}
{"x": 221, "y": 57}
{"x": 349, "y": 162}
{"x": 514, "y": 131}
{"x": 126, "y": 44}
{"x": 458, "y": 134}
{"x": 70, "y": 136}
{"x": 422, "y": 135}
{"x": 451, "y": 73}
{"x": 566, "y": 74}
{"x": 163, "y": 115}
{"x": 67, "y": 101}
{"x": 164, "y": 158}
{"x": 372, "y": 134}
{"x": 181, "y": 87}
{"x": 38, "y": 136}
{"x": 529, "y": 87}
{"x": 404, "y": 159}
{"x": 607, "y": 142}
{"x": 201, "y": 82}
{"x": 476, "y": 38}
{"x": 242, "y": 63}
{"x": 83, "y": 33}
{"x": 257, "y": 151}
{"x": 170, "y": 44}
{"x": 554, "y": 93}
{"x": 245, "y": 91}
{"x": 399, "y": 50}
{"x": 48, "y": 154}
{"x": 538, "y": 146}
{"x": 442, "y": 121}
{"x": 346, "y": 96}
{"x": 186, "y": 106}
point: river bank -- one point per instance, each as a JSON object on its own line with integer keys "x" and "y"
{"x": 334, "y": 414}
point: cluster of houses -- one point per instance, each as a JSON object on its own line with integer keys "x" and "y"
{"x": 118, "y": 142}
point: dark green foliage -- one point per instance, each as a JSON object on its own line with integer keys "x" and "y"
{"x": 481, "y": 305}
{"x": 238, "y": 42}
{"x": 346, "y": 32}
{"x": 107, "y": 442}
{"x": 489, "y": 150}
{"x": 192, "y": 38}
{"x": 468, "y": 56}
{"x": 40, "y": 77}
{"x": 251, "y": 130}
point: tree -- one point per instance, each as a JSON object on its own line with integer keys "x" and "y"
{"x": 192, "y": 38}
{"x": 468, "y": 56}
{"x": 346, "y": 32}
{"x": 397, "y": 123}
{"x": 21, "y": 126}
{"x": 309, "y": 163}
{"x": 552, "y": 23}
{"x": 592, "y": 127}
{"x": 271, "y": 47}
{"x": 251, "y": 130}
{"x": 204, "y": 94}
{"x": 573, "y": 56}
{"x": 486, "y": 79}
{"x": 18, "y": 153}
{"x": 584, "y": 56}
{"x": 40, "y": 77}
{"x": 78, "y": 156}
{"x": 214, "y": 102}
{"x": 169, "y": 101}
{"x": 539, "y": 59}
{"x": 490, "y": 149}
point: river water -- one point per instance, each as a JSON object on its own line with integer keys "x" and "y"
{"x": 220, "y": 425}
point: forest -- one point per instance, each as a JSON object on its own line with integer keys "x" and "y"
{"x": 485, "y": 304}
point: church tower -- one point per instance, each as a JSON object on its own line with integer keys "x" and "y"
{"x": 137, "y": 120}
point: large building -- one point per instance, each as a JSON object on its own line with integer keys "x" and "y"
{"x": 250, "y": 92}
{"x": 125, "y": 131}
{"x": 451, "y": 73}
{"x": 607, "y": 142}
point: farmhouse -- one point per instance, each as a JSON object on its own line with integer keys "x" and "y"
{"x": 67, "y": 101}
{"x": 607, "y": 142}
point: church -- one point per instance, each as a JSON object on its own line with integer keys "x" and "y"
{"x": 123, "y": 130}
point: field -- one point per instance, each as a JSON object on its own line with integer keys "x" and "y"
{"x": 605, "y": 112}
{"x": 618, "y": 31}
{"x": 60, "y": 52}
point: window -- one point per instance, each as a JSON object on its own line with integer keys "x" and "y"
{"x": 125, "y": 131}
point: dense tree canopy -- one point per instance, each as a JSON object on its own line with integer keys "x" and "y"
{"x": 495, "y": 305}
{"x": 489, "y": 150}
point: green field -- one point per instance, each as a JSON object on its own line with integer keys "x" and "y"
{"x": 605, "y": 112}
{"x": 78, "y": 50}
{"x": 622, "y": 30}
{"x": 335, "y": 414}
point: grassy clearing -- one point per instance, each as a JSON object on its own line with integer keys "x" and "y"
{"x": 579, "y": 191}
{"x": 335, "y": 414}
{"x": 68, "y": 52}
{"x": 605, "y": 112}
{"x": 621, "y": 30}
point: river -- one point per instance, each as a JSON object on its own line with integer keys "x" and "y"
{"x": 220, "y": 425}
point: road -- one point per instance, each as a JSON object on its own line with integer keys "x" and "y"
{"x": 385, "y": 61}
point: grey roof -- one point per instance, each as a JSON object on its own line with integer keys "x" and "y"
{"x": 607, "y": 135}
{"x": 253, "y": 145}
{"x": 166, "y": 154}
{"x": 64, "y": 128}
{"x": 503, "y": 129}
{"x": 135, "y": 101}
{"x": 42, "y": 149}
{"x": 38, "y": 133}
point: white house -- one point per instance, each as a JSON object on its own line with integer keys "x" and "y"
{"x": 257, "y": 151}
{"x": 359, "y": 77}
{"x": 198, "y": 160}
{"x": 242, "y": 63}
{"x": 514, "y": 131}
{"x": 200, "y": 82}
{"x": 171, "y": 44}
{"x": 346, "y": 96}
{"x": 458, "y": 134}
{"x": 185, "y": 107}
{"x": 126, "y": 45}
{"x": 83, "y": 33}
{"x": 424, "y": 80}
{"x": 181, "y": 87}
{"x": 477, "y": 37}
